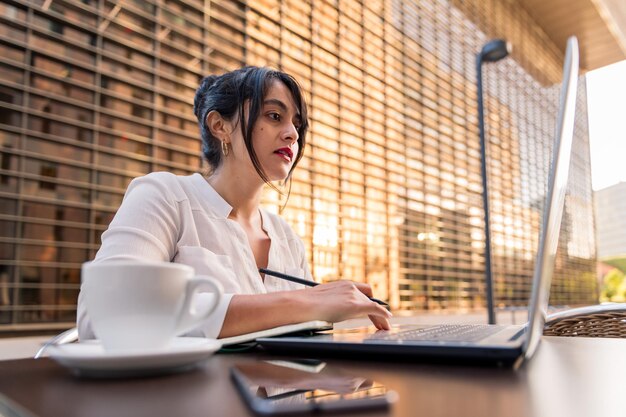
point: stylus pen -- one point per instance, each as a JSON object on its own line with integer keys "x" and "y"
{"x": 307, "y": 282}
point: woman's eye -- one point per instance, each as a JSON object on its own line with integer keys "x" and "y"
{"x": 274, "y": 116}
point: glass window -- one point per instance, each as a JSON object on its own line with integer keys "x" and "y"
{"x": 55, "y": 47}
{"x": 143, "y": 5}
{"x": 191, "y": 144}
{"x": 125, "y": 126}
{"x": 61, "y": 70}
{"x": 52, "y": 253}
{"x": 181, "y": 21}
{"x": 131, "y": 20}
{"x": 72, "y": 14}
{"x": 181, "y": 75}
{"x": 48, "y": 186}
{"x": 172, "y": 121}
{"x": 124, "y": 143}
{"x": 126, "y": 89}
{"x": 64, "y": 130}
{"x": 115, "y": 105}
{"x": 54, "y": 212}
{"x": 180, "y": 41}
{"x": 113, "y": 180}
{"x": 125, "y": 33}
{"x": 175, "y": 54}
{"x": 10, "y": 117}
{"x": 179, "y": 123}
{"x": 10, "y": 95}
{"x": 13, "y": 13}
{"x": 56, "y": 108}
{"x": 108, "y": 199}
{"x": 56, "y": 232}
{"x": 61, "y": 88}
{"x": 11, "y": 53}
{"x": 48, "y": 147}
{"x": 7, "y": 228}
{"x": 8, "y": 206}
{"x": 172, "y": 104}
{"x": 7, "y": 252}
{"x": 129, "y": 56}
{"x": 8, "y": 162}
{"x": 226, "y": 40}
{"x": 120, "y": 162}
{"x": 12, "y": 33}
{"x": 56, "y": 170}
{"x": 176, "y": 88}
{"x": 170, "y": 155}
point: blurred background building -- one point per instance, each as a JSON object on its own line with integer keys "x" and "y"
{"x": 610, "y": 205}
{"x": 96, "y": 92}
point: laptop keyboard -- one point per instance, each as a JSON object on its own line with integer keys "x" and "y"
{"x": 445, "y": 333}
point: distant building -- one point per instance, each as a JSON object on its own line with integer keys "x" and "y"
{"x": 610, "y": 204}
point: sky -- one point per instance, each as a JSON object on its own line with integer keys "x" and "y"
{"x": 606, "y": 108}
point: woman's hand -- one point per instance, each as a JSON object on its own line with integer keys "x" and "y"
{"x": 343, "y": 300}
{"x": 334, "y": 301}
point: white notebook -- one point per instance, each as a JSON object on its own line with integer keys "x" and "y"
{"x": 277, "y": 331}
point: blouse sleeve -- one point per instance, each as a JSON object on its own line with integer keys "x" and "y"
{"x": 146, "y": 226}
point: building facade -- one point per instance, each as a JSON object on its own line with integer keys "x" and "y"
{"x": 610, "y": 205}
{"x": 96, "y": 92}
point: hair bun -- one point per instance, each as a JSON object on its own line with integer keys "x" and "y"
{"x": 208, "y": 81}
{"x": 205, "y": 84}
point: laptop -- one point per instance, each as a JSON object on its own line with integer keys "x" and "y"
{"x": 498, "y": 345}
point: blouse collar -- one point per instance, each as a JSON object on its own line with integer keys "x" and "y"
{"x": 221, "y": 208}
{"x": 215, "y": 201}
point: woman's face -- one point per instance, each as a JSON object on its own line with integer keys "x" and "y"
{"x": 275, "y": 133}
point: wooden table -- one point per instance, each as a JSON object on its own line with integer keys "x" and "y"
{"x": 568, "y": 377}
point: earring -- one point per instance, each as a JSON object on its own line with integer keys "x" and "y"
{"x": 225, "y": 149}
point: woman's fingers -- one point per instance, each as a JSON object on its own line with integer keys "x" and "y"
{"x": 342, "y": 300}
{"x": 375, "y": 309}
{"x": 381, "y": 323}
{"x": 366, "y": 289}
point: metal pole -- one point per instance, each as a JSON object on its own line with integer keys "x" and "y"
{"x": 483, "y": 169}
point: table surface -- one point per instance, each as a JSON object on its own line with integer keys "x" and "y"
{"x": 567, "y": 377}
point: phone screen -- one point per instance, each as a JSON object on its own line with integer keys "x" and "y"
{"x": 279, "y": 387}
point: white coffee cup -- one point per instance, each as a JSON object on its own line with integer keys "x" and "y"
{"x": 144, "y": 305}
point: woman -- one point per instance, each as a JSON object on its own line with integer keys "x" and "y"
{"x": 253, "y": 123}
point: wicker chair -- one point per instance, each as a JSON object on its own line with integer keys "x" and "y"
{"x": 605, "y": 320}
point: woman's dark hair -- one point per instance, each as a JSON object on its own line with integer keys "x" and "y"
{"x": 227, "y": 94}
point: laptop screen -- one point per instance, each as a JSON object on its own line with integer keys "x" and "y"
{"x": 555, "y": 198}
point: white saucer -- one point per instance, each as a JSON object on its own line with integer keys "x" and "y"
{"x": 90, "y": 359}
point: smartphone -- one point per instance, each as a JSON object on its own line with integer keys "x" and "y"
{"x": 289, "y": 387}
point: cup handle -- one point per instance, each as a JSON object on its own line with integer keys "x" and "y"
{"x": 189, "y": 317}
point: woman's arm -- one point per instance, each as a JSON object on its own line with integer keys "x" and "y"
{"x": 333, "y": 302}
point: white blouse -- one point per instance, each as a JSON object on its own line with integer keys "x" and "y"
{"x": 165, "y": 217}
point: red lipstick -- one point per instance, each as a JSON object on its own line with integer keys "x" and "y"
{"x": 286, "y": 152}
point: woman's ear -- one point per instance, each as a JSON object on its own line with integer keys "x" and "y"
{"x": 219, "y": 127}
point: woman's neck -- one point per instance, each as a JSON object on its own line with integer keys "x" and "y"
{"x": 243, "y": 195}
